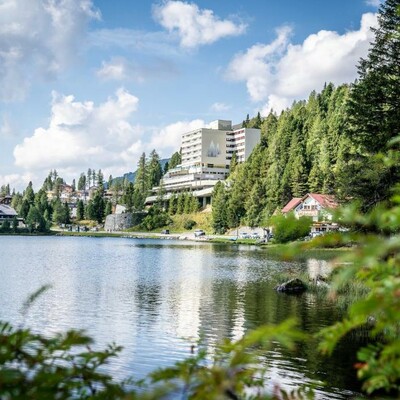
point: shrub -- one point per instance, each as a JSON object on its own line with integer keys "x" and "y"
{"x": 189, "y": 224}
{"x": 288, "y": 228}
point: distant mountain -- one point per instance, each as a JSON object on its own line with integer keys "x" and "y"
{"x": 131, "y": 176}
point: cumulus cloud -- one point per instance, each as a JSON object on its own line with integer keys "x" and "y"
{"x": 81, "y": 134}
{"x": 120, "y": 69}
{"x": 39, "y": 38}
{"x": 373, "y": 3}
{"x": 193, "y": 25}
{"x": 168, "y": 139}
{"x": 220, "y": 107}
{"x": 17, "y": 181}
{"x": 280, "y": 72}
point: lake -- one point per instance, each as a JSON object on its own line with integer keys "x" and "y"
{"x": 156, "y": 297}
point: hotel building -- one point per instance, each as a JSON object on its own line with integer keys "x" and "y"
{"x": 206, "y": 155}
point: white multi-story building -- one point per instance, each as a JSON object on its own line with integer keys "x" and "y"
{"x": 206, "y": 155}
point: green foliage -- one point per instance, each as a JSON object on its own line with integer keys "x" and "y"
{"x": 219, "y": 212}
{"x": 374, "y": 113}
{"x": 287, "y": 228}
{"x": 80, "y": 210}
{"x": 375, "y": 264}
{"x": 5, "y": 226}
{"x": 175, "y": 160}
{"x": 156, "y": 218}
{"x": 189, "y": 224}
{"x": 36, "y": 367}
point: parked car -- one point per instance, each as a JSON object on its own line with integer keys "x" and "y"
{"x": 199, "y": 232}
{"x": 165, "y": 232}
{"x": 255, "y": 235}
{"x": 244, "y": 235}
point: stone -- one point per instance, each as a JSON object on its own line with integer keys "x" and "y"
{"x": 121, "y": 222}
{"x": 293, "y": 286}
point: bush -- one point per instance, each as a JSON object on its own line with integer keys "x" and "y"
{"x": 189, "y": 224}
{"x": 288, "y": 228}
{"x": 156, "y": 218}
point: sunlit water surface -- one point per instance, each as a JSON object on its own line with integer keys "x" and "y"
{"x": 155, "y": 297}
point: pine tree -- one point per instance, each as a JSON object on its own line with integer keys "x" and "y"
{"x": 172, "y": 204}
{"x": 154, "y": 170}
{"x": 89, "y": 177}
{"x": 219, "y": 214}
{"x": 141, "y": 180}
{"x": 175, "y": 160}
{"x": 80, "y": 210}
{"x": 82, "y": 182}
{"x": 374, "y": 112}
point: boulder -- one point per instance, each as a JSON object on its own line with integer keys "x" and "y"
{"x": 120, "y": 222}
{"x": 293, "y": 286}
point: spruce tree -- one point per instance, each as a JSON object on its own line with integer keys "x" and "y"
{"x": 219, "y": 214}
{"x": 374, "y": 113}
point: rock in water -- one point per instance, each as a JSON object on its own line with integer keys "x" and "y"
{"x": 293, "y": 286}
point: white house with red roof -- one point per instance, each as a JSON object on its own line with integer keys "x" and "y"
{"x": 317, "y": 206}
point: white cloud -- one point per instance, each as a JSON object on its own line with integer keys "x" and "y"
{"x": 373, "y": 3}
{"x": 120, "y": 69}
{"x": 220, "y": 107}
{"x": 256, "y": 65}
{"x": 114, "y": 70}
{"x": 6, "y": 130}
{"x": 17, "y": 181}
{"x": 39, "y": 38}
{"x": 194, "y": 26}
{"x": 168, "y": 139}
{"x": 282, "y": 72}
{"x": 81, "y": 134}
{"x": 159, "y": 43}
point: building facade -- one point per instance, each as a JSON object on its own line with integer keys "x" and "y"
{"x": 206, "y": 156}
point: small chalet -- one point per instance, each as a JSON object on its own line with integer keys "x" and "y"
{"x": 317, "y": 206}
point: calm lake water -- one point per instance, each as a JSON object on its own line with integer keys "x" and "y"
{"x": 155, "y": 297}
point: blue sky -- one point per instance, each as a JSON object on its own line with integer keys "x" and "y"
{"x": 94, "y": 83}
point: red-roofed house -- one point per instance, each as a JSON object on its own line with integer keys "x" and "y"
{"x": 314, "y": 205}
{"x": 291, "y": 205}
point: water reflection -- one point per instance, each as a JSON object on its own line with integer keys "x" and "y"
{"x": 155, "y": 297}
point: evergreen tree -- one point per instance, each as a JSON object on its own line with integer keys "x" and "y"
{"x": 175, "y": 160}
{"x": 255, "y": 205}
{"x": 233, "y": 163}
{"x": 374, "y": 113}
{"x": 172, "y": 204}
{"x": 108, "y": 208}
{"x": 82, "y": 182}
{"x": 100, "y": 180}
{"x": 89, "y": 177}
{"x": 257, "y": 121}
{"x": 219, "y": 214}
{"x": 141, "y": 180}
{"x": 154, "y": 170}
{"x": 180, "y": 204}
{"x": 29, "y": 194}
{"x": 80, "y": 210}
{"x": 14, "y": 225}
